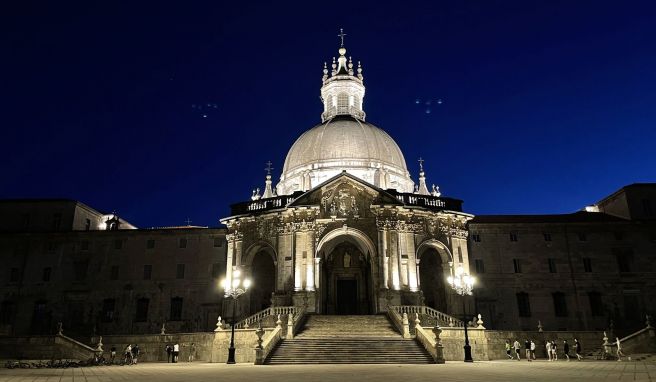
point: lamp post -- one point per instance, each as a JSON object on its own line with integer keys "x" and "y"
{"x": 463, "y": 284}
{"x": 235, "y": 290}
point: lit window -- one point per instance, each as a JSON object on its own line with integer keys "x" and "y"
{"x": 513, "y": 236}
{"x": 547, "y": 236}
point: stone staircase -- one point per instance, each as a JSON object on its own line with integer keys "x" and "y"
{"x": 348, "y": 339}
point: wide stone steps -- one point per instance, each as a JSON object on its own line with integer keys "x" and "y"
{"x": 351, "y": 350}
{"x": 348, "y": 339}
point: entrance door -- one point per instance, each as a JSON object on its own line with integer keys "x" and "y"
{"x": 347, "y": 296}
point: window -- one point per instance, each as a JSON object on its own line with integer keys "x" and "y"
{"x": 113, "y": 273}
{"x": 182, "y": 243}
{"x": 216, "y": 271}
{"x": 646, "y": 207}
{"x": 107, "y": 314}
{"x": 180, "y": 271}
{"x": 547, "y": 236}
{"x": 513, "y": 236}
{"x": 118, "y": 244}
{"x": 480, "y": 267}
{"x": 342, "y": 103}
{"x": 142, "y": 310}
{"x": 619, "y": 236}
{"x": 80, "y": 270}
{"x": 582, "y": 237}
{"x": 596, "y": 305}
{"x": 517, "y": 265}
{"x": 587, "y": 264}
{"x": 150, "y": 244}
{"x": 14, "y": 275}
{"x": 460, "y": 255}
{"x": 56, "y": 221}
{"x": 560, "y": 304}
{"x": 552, "y": 266}
{"x": 624, "y": 259}
{"x": 147, "y": 272}
{"x": 87, "y": 224}
{"x": 84, "y": 245}
{"x": 523, "y": 305}
{"x": 218, "y": 242}
{"x": 46, "y": 274}
{"x": 476, "y": 237}
{"x": 7, "y": 312}
{"x": 176, "y": 309}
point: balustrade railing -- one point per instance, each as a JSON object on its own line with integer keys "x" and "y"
{"x": 433, "y": 315}
{"x": 252, "y": 320}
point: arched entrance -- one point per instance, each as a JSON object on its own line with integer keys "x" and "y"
{"x": 262, "y": 270}
{"x": 434, "y": 260}
{"x": 346, "y": 277}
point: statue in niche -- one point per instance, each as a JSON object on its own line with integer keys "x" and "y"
{"x": 347, "y": 260}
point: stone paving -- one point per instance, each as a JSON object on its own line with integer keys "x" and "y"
{"x": 452, "y": 371}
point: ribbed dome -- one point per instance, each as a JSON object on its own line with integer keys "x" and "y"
{"x": 345, "y": 143}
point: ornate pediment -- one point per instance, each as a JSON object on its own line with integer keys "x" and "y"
{"x": 344, "y": 196}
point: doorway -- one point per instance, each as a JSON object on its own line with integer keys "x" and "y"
{"x": 346, "y": 291}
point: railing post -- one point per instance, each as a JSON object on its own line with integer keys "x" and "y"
{"x": 406, "y": 326}
{"x": 439, "y": 349}
{"x": 290, "y": 326}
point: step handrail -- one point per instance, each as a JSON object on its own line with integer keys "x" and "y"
{"x": 396, "y": 318}
{"x": 442, "y": 318}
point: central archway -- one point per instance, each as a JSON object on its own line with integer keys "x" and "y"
{"x": 260, "y": 264}
{"x": 346, "y": 284}
{"x": 434, "y": 257}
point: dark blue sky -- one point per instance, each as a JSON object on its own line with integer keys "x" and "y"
{"x": 547, "y": 106}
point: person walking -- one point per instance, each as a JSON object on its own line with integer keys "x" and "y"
{"x": 112, "y": 354}
{"x": 577, "y": 349}
{"x": 517, "y": 348}
{"x": 548, "y": 347}
{"x": 176, "y": 352}
{"x": 554, "y": 350}
{"x": 135, "y": 354}
{"x": 620, "y": 353}
{"x": 169, "y": 352}
{"x": 527, "y": 349}
{"x": 509, "y": 349}
{"x": 566, "y": 349}
{"x": 533, "y": 350}
{"x": 192, "y": 352}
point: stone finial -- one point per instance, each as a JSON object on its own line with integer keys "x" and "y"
{"x": 406, "y": 326}
{"x": 100, "y": 344}
{"x": 606, "y": 344}
{"x": 259, "y": 332}
{"x": 219, "y": 324}
{"x": 479, "y": 322}
{"x": 60, "y": 329}
{"x": 451, "y": 324}
{"x": 163, "y": 329}
{"x": 417, "y": 320}
{"x": 540, "y": 326}
{"x": 648, "y": 321}
{"x": 279, "y": 321}
{"x": 405, "y": 318}
{"x": 290, "y": 326}
{"x": 246, "y": 325}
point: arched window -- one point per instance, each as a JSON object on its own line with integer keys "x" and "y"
{"x": 342, "y": 103}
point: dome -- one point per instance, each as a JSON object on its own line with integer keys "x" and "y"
{"x": 344, "y": 143}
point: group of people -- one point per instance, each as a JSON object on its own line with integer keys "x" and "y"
{"x": 551, "y": 349}
{"x": 130, "y": 354}
{"x": 173, "y": 352}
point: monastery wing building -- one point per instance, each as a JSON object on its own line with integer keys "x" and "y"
{"x": 345, "y": 231}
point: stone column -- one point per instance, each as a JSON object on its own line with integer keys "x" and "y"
{"x": 298, "y": 265}
{"x": 413, "y": 273}
{"x": 384, "y": 255}
{"x": 230, "y": 259}
{"x": 317, "y": 270}
{"x": 309, "y": 261}
{"x": 395, "y": 260}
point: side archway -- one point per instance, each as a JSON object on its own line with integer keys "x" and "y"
{"x": 434, "y": 260}
{"x": 259, "y": 262}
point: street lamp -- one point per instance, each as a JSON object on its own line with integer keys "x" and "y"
{"x": 463, "y": 284}
{"x": 235, "y": 290}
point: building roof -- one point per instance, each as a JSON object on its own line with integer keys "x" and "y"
{"x": 577, "y": 217}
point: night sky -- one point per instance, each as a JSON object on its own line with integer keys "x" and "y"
{"x": 545, "y": 106}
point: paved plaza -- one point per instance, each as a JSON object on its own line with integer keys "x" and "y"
{"x": 451, "y": 371}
